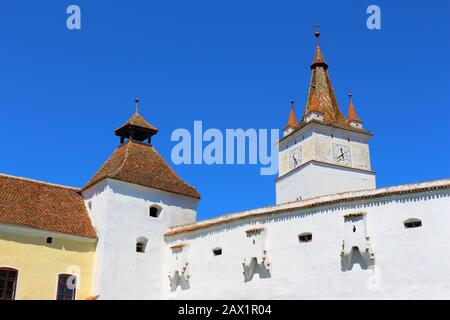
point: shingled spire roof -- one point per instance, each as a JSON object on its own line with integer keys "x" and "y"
{"x": 292, "y": 122}
{"x": 352, "y": 116}
{"x": 321, "y": 95}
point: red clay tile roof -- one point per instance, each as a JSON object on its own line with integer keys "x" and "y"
{"x": 141, "y": 164}
{"x": 314, "y": 105}
{"x": 352, "y": 116}
{"x": 321, "y": 96}
{"x": 44, "y": 206}
{"x": 292, "y": 122}
{"x": 138, "y": 121}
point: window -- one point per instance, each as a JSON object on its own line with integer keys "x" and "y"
{"x": 141, "y": 244}
{"x": 49, "y": 240}
{"x": 66, "y": 287}
{"x": 155, "y": 211}
{"x": 412, "y": 223}
{"x": 217, "y": 251}
{"x": 305, "y": 237}
{"x": 8, "y": 281}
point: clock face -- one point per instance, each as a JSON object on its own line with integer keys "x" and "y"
{"x": 342, "y": 155}
{"x": 295, "y": 158}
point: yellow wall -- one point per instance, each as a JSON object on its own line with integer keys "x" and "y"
{"x": 39, "y": 264}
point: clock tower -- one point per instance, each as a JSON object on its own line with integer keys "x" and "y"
{"x": 325, "y": 152}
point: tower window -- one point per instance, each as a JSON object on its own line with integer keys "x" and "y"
{"x": 49, "y": 240}
{"x": 8, "y": 281}
{"x": 217, "y": 251}
{"x": 412, "y": 223}
{"x": 141, "y": 245}
{"x": 66, "y": 287}
{"x": 305, "y": 237}
{"x": 154, "y": 211}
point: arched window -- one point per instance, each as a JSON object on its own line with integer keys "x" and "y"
{"x": 155, "y": 211}
{"x": 305, "y": 237}
{"x": 67, "y": 284}
{"x": 8, "y": 282}
{"x": 141, "y": 244}
{"x": 412, "y": 223}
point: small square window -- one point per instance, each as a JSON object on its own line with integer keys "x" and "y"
{"x": 305, "y": 237}
{"x": 49, "y": 240}
{"x": 217, "y": 251}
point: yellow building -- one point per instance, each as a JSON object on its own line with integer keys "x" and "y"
{"x": 47, "y": 241}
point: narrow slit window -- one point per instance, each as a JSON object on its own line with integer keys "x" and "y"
{"x": 141, "y": 245}
{"x": 412, "y": 223}
{"x": 305, "y": 237}
{"x": 217, "y": 251}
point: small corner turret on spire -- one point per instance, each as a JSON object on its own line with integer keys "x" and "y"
{"x": 292, "y": 122}
{"x": 353, "y": 118}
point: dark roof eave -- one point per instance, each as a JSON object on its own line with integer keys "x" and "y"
{"x": 303, "y": 124}
{"x": 161, "y": 189}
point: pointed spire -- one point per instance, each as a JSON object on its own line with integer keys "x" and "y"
{"x": 292, "y": 122}
{"x": 352, "y": 116}
{"x": 321, "y": 97}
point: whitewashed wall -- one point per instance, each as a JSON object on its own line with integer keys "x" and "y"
{"x": 409, "y": 263}
{"x": 317, "y": 179}
{"x": 120, "y": 214}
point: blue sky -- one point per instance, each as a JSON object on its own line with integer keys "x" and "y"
{"x": 231, "y": 64}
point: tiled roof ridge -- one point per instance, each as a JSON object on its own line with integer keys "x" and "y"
{"x": 127, "y": 152}
{"x": 39, "y": 182}
{"x": 312, "y": 202}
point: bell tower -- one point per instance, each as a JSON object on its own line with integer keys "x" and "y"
{"x": 325, "y": 152}
{"x": 136, "y": 128}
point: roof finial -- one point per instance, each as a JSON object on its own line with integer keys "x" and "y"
{"x": 292, "y": 102}
{"x": 350, "y": 95}
{"x": 317, "y": 33}
{"x": 137, "y": 104}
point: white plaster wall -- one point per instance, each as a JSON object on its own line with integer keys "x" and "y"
{"x": 317, "y": 179}
{"x": 410, "y": 263}
{"x": 120, "y": 214}
{"x": 317, "y": 140}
